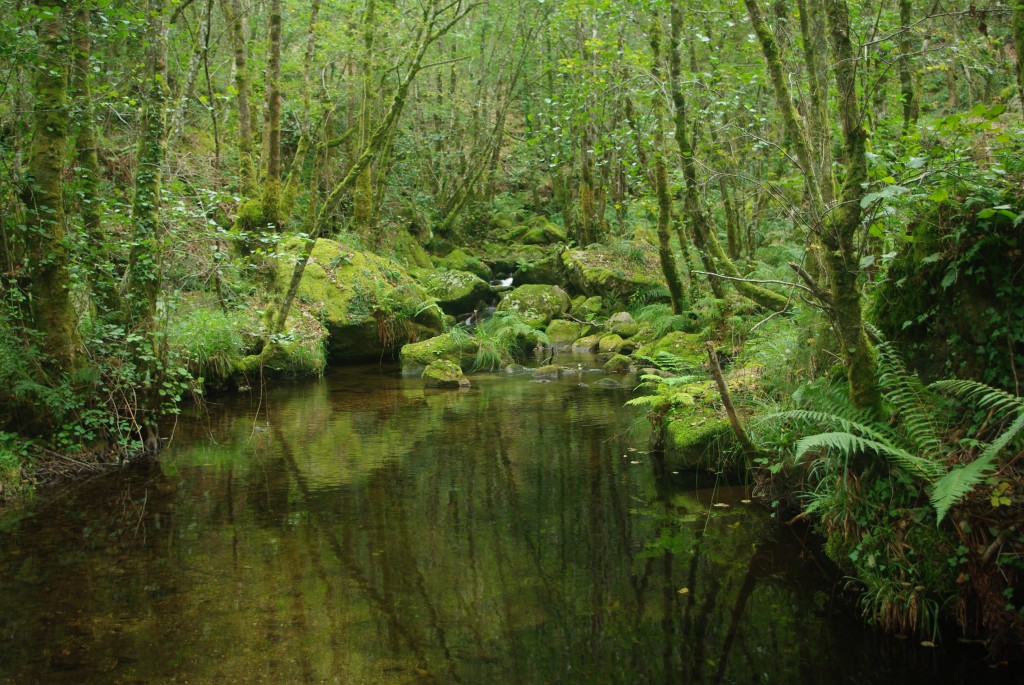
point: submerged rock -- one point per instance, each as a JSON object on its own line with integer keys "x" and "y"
{"x": 619, "y": 363}
{"x": 549, "y": 372}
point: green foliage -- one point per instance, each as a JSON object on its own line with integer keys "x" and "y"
{"x": 211, "y": 341}
{"x": 502, "y": 338}
{"x": 661, "y": 320}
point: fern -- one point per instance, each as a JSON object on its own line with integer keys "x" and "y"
{"x": 848, "y": 443}
{"x": 907, "y": 395}
{"x": 959, "y": 482}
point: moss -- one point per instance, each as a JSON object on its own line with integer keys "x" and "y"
{"x": 458, "y": 349}
{"x": 444, "y": 374}
{"x": 456, "y": 292}
{"x": 562, "y": 334}
{"x": 587, "y": 308}
{"x": 410, "y": 253}
{"x": 626, "y": 330}
{"x": 304, "y": 358}
{"x": 619, "y": 363}
{"x": 695, "y": 436}
{"x": 587, "y": 343}
{"x": 615, "y": 277}
{"x": 458, "y": 260}
{"x": 367, "y": 303}
{"x": 611, "y": 343}
{"x": 688, "y": 346}
{"x": 550, "y": 372}
{"x": 536, "y": 304}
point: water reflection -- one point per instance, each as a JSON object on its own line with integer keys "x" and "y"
{"x": 363, "y": 530}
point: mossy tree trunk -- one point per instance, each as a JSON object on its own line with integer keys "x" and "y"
{"x": 87, "y": 171}
{"x": 144, "y": 260}
{"x": 362, "y": 196}
{"x": 835, "y": 228}
{"x": 704, "y": 232}
{"x": 1018, "y": 44}
{"x": 677, "y": 294}
{"x": 843, "y": 223}
{"x": 237, "y": 30}
{"x": 271, "y": 199}
{"x": 908, "y": 93}
{"x": 53, "y": 314}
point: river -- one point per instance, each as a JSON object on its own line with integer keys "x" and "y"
{"x": 360, "y": 529}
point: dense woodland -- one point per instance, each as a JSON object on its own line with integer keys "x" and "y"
{"x": 799, "y": 219}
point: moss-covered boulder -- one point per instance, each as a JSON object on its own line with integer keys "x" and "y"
{"x": 687, "y": 346}
{"x": 302, "y": 355}
{"x": 562, "y": 334}
{"x": 587, "y": 343}
{"x": 444, "y": 374}
{"x": 368, "y": 304}
{"x": 526, "y": 263}
{"x": 538, "y": 231}
{"x": 410, "y": 253}
{"x": 614, "y": 276}
{"x": 610, "y": 344}
{"x": 619, "y": 363}
{"x": 537, "y": 305}
{"x": 456, "y": 292}
{"x": 695, "y": 435}
{"x": 587, "y": 308}
{"x": 459, "y": 349}
{"x": 458, "y": 260}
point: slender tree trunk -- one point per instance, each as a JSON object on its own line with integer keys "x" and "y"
{"x": 45, "y": 236}
{"x": 191, "y": 76}
{"x": 911, "y": 103}
{"x": 144, "y": 270}
{"x": 271, "y": 201}
{"x": 679, "y": 298}
{"x": 101, "y": 277}
{"x": 237, "y": 30}
{"x": 362, "y": 196}
{"x": 844, "y": 221}
{"x": 1018, "y": 44}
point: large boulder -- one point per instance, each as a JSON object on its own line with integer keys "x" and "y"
{"x": 614, "y": 276}
{"x": 562, "y": 334}
{"x": 526, "y": 263}
{"x": 457, "y": 348}
{"x": 536, "y": 304}
{"x": 368, "y": 304}
{"x": 458, "y": 260}
{"x": 456, "y": 292}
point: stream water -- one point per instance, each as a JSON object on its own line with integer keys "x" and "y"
{"x": 360, "y": 529}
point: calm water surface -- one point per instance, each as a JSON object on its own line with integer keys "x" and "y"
{"x": 362, "y": 530}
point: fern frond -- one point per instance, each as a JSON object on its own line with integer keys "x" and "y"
{"x": 907, "y": 395}
{"x": 980, "y": 395}
{"x": 848, "y": 443}
{"x": 672, "y": 363}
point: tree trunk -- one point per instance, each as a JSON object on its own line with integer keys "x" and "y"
{"x": 679, "y": 298}
{"x": 52, "y": 312}
{"x": 911, "y": 103}
{"x": 1018, "y": 44}
{"x": 271, "y": 201}
{"x": 237, "y": 30}
{"x": 144, "y": 275}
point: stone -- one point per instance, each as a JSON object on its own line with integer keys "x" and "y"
{"x": 444, "y": 374}
{"x": 459, "y": 349}
{"x": 456, "y": 292}
{"x": 537, "y": 305}
{"x": 562, "y": 334}
{"x": 549, "y": 372}
{"x": 619, "y": 363}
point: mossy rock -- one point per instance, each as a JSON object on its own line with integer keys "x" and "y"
{"x": 526, "y": 263}
{"x": 292, "y": 360}
{"x": 458, "y": 260}
{"x": 368, "y": 304}
{"x": 619, "y": 363}
{"x": 456, "y": 292}
{"x": 410, "y": 253}
{"x": 599, "y": 271}
{"x": 460, "y": 350}
{"x": 540, "y": 231}
{"x": 587, "y": 308}
{"x": 444, "y": 374}
{"x": 536, "y": 304}
{"x": 610, "y": 344}
{"x": 626, "y": 330}
{"x": 562, "y": 334}
{"x": 587, "y": 344}
{"x": 687, "y": 346}
{"x": 696, "y": 435}
{"x": 549, "y": 372}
